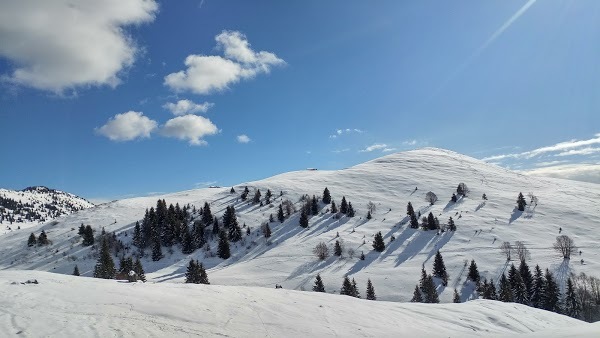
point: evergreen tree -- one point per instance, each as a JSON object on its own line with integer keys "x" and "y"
{"x": 192, "y": 274}
{"x": 473, "y": 272}
{"x": 492, "y": 293}
{"x": 526, "y": 276}
{"x": 314, "y": 206}
{"x": 125, "y": 264}
{"x": 369, "y": 216}
{"x": 520, "y": 290}
{"x": 521, "y": 203}
{"x": 280, "y": 215}
{"x": 43, "y": 239}
{"x": 268, "y": 196}
{"x": 203, "y": 277}
{"x": 334, "y": 209}
{"x": 81, "y": 230}
{"x": 32, "y": 240}
{"x": 76, "y": 271}
{"x": 344, "y": 206}
{"x": 505, "y": 293}
{"x": 232, "y": 191}
{"x": 454, "y": 198}
{"x": 139, "y": 270}
{"x": 216, "y": 229}
{"x": 456, "y": 297}
{"x": 230, "y": 222}
{"x": 337, "y": 249}
{"x": 538, "y": 290}
{"x": 552, "y": 294}
{"x": 414, "y": 221}
{"x": 572, "y": 306}
{"x": 512, "y": 276}
{"x": 378, "y": 243}
{"x": 256, "y": 198}
{"x": 318, "y": 287}
{"x": 347, "y": 288}
{"x": 355, "y": 292}
{"x": 429, "y": 291}
{"x": 187, "y": 246}
{"x": 303, "y": 219}
{"x": 350, "y": 210}
{"x": 138, "y": 239}
{"x": 198, "y": 238}
{"x": 409, "y": 209}
{"x": 362, "y": 256}
{"x": 326, "y": 196}
{"x": 207, "y": 216}
{"x": 88, "y": 236}
{"x": 451, "y": 225}
{"x": 156, "y": 250}
{"x": 244, "y": 194}
{"x": 370, "y": 290}
{"x": 105, "y": 267}
{"x": 439, "y": 269}
{"x": 417, "y": 298}
{"x": 271, "y": 219}
{"x": 223, "y": 250}
{"x": 431, "y": 223}
{"x": 266, "y": 230}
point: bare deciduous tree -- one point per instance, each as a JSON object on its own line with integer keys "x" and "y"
{"x": 431, "y": 197}
{"x": 506, "y": 249}
{"x": 350, "y": 253}
{"x": 371, "y": 207}
{"x": 533, "y": 200}
{"x": 462, "y": 189}
{"x": 565, "y": 246}
{"x": 321, "y": 251}
{"x": 587, "y": 290}
{"x": 521, "y": 251}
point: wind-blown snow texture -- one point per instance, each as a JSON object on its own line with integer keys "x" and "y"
{"x": 104, "y": 308}
{"x": 390, "y": 183}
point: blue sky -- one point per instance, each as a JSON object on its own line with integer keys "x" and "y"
{"x": 115, "y": 98}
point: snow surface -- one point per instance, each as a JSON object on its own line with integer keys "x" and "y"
{"x": 287, "y": 259}
{"x": 107, "y": 308}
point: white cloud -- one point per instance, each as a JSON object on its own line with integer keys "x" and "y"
{"x": 340, "y": 151}
{"x": 410, "y": 143}
{"x": 339, "y": 132}
{"x": 206, "y": 74}
{"x": 243, "y": 138}
{"x": 562, "y": 147}
{"x": 583, "y": 151}
{"x": 63, "y": 44}
{"x": 183, "y": 107}
{"x": 189, "y": 127}
{"x": 375, "y": 146}
{"x": 387, "y": 150}
{"x": 577, "y": 172}
{"x": 127, "y": 126}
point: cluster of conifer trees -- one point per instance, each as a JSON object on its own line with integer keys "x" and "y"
{"x": 41, "y": 240}
{"x": 349, "y": 288}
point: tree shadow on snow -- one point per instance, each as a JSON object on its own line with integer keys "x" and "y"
{"x": 515, "y": 215}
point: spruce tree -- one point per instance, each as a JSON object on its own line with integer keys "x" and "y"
{"x": 552, "y": 294}
{"x": 344, "y": 205}
{"x": 245, "y": 193}
{"x": 414, "y": 221}
{"x": 520, "y": 290}
{"x": 314, "y": 206}
{"x": 326, "y": 196}
{"x": 538, "y": 290}
{"x": 138, "y": 239}
{"x": 203, "y": 277}
{"x": 105, "y": 267}
{"x": 572, "y": 306}
{"x": 76, "y": 271}
{"x": 526, "y": 276}
{"x": 337, "y": 249}
{"x": 505, "y": 292}
{"x": 156, "y": 250}
{"x": 369, "y": 216}
{"x": 32, "y": 240}
{"x": 266, "y": 230}
{"x": 318, "y": 287}
{"x": 223, "y": 250}
{"x": 207, "y": 216}
{"x": 456, "y": 297}
{"x": 81, "y": 230}
{"x": 303, "y": 219}
{"x": 216, "y": 229}
{"x": 350, "y": 212}
{"x": 125, "y": 264}
{"x": 88, "y": 236}
{"x": 431, "y": 223}
{"x": 473, "y": 272}
{"x": 430, "y": 293}
{"x": 417, "y": 298}
{"x": 187, "y": 246}
{"x": 192, "y": 274}
{"x": 409, "y": 209}
{"x": 355, "y": 292}
{"x": 512, "y": 276}
{"x": 139, "y": 270}
{"x": 347, "y": 288}
{"x": 521, "y": 203}
{"x": 439, "y": 268}
{"x": 334, "y": 209}
{"x": 43, "y": 239}
{"x": 268, "y": 196}
{"x": 197, "y": 234}
{"x": 451, "y": 225}
{"x": 256, "y": 198}
{"x": 232, "y": 191}
{"x": 280, "y": 215}
{"x": 370, "y": 290}
{"x": 492, "y": 293}
{"x": 378, "y": 243}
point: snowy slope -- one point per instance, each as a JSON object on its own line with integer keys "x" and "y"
{"x": 102, "y": 308}
{"x": 34, "y": 205}
{"x": 390, "y": 183}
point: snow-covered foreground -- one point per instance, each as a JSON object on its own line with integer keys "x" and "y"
{"x": 68, "y": 306}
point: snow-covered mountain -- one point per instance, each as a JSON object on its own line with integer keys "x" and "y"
{"x": 37, "y": 204}
{"x": 563, "y": 207}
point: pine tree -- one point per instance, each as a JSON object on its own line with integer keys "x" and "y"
{"x": 362, "y": 256}
{"x": 409, "y": 209}
{"x": 138, "y": 239}
{"x": 572, "y": 306}
{"x": 370, "y": 290}
{"x": 318, "y": 287}
{"x": 521, "y": 203}
{"x": 303, "y": 219}
{"x": 414, "y": 221}
{"x": 268, "y": 196}
{"x": 552, "y": 294}
{"x": 512, "y": 276}
{"x": 451, "y": 225}
{"x": 280, "y": 215}
{"x": 125, "y": 264}
{"x": 337, "y": 249}
{"x": 344, "y": 206}
{"x": 492, "y": 293}
{"x": 88, "y": 236}
{"x": 207, "y": 216}
{"x": 187, "y": 246}
{"x": 454, "y": 198}
{"x": 378, "y": 243}
{"x": 326, "y": 196}
{"x": 76, "y": 271}
{"x": 139, "y": 270}
{"x": 192, "y": 274}
{"x": 244, "y": 194}
{"x": 43, "y": 239}
{"x": 156, "y": 250}
{"x": 355, "y": 292}
{"x": 334, "y": 209}
{"x": 105, "y": 267}
{"x": 473, "y": 272}
{"x": 538, "y": 290}
{"x": 417, "y": 298}
{"x": 439, "y": 268}
{"x": 81, "y": 230}
{"x": 314, "y": 206}
{"x": 266, "y": 230}
{"x": 346, "y": 287}
{"x": 429, "y": 291}
{"x": 216, "y": 229}
{"x": 526, "y": 276}
{"x": 32, "y": 240}
{"x": 505, "y": 293}
{"x": 351, "y": 212}
{"x": 223, "y": 250}
{"x": 456, "y": 297}
{"x": 520, "y": 290}
{"x": 203, "y": 277}
{"x": 256, "y": 198}
{"x": 198, "y": 238}
{"x": 369, "y": 216}
{"x": 232, "y": 191}
{"x": 431, "y": 223}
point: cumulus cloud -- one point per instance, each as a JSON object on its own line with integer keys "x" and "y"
{"x": 375, "y": 146}
{"x": 62, "y": 44}
{"x": 206, "y": 74}
{"x": 243, "y": 138}
{"x": 183, "y": 107}
{"x": 577, "y": 172}
{"x": 189, "y": 127}
{"x": 128, "y": 126}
